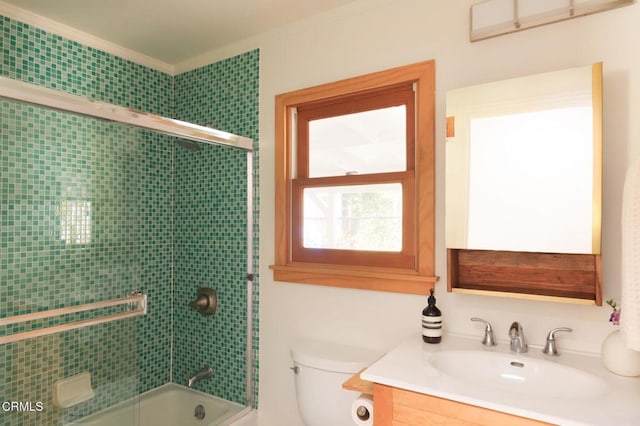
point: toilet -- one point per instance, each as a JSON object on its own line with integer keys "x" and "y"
{"x": 320, "y": 370}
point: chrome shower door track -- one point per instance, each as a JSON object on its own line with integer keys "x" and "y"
{"x": 43, "y": 96}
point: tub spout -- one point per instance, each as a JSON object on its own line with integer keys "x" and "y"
{"x": 204, "y": 372}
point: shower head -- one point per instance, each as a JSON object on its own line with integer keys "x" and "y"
{"x": 191, "y": 146}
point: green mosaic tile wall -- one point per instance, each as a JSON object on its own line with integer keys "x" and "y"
{"x": 36, "y": 56}
{"x": 211, "y": 226}
{"x": 52, "y": 163}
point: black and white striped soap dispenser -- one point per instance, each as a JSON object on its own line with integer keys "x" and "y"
{"x": 431, "y": 321}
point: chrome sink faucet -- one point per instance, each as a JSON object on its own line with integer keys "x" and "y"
{"x": 204, "y": 372}
{"x": 518, "y": 342}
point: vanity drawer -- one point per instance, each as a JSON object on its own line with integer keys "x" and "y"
{"x": 399, "y": 407}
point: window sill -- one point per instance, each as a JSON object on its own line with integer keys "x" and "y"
{"x": 378, "y": 279}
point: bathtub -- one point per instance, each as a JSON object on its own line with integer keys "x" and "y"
{"x": 172, "y": 405}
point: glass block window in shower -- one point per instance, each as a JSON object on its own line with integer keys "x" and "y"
{"x": 75, "y": 221}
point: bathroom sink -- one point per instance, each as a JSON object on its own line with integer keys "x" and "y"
{"x": 573, "y": 389}
{"x": 518, "y": 374}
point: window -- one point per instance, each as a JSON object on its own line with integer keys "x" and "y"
{"x": 354, "y": 178}
{"x": 75, "y": 221}
{"x": 355, "y": 182}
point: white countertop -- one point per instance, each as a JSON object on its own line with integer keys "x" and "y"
{"x": 408, "y": 367}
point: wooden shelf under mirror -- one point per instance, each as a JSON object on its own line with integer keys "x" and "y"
{"x": 546, "y": 276}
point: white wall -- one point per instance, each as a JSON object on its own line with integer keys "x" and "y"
{"x": 372, "y": 35}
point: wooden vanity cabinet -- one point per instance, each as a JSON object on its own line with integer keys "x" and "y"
{"x": 399, "y": 407}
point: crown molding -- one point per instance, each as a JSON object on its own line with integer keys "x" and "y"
{"x": 83, "y": 38}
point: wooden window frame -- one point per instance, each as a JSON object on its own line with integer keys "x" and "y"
{"x": 416, "y": 276}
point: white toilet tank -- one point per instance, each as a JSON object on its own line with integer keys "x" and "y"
{"x": 321, "y": 368}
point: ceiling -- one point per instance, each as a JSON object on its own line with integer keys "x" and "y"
{"x": 172, "y": 31}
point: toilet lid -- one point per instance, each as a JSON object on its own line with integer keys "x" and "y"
{"x": 332, "y": 356}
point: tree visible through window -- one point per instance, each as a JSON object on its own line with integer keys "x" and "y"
{"x": 365, "y": 217}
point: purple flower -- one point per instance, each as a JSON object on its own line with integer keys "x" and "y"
{"x": 614, "y": 318}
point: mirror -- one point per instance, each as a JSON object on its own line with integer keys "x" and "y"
{"x": 524, "y": 164}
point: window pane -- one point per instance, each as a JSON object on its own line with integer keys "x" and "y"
{"x": 357, "y": 217}
{"x": 366, "y": 142}
{"x": 75, "y": 221}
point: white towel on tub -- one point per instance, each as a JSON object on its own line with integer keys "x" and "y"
{"x": 630, "y": 313}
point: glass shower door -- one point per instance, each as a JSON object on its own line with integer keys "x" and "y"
{"x": 59, "y": 380}
{"x": 73, "y": 230}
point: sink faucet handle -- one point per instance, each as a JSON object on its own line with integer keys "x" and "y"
{"x": 551, "y": 347}
{"x": 552, "y": 333}
{"x": 488, "y": 339}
